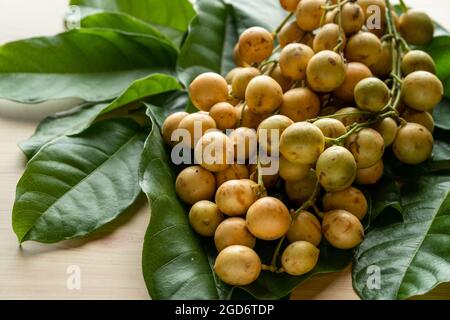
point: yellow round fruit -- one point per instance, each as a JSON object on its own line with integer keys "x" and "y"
{"x": 367, "y": 146}
{"x": 331, "y": 128}
{"x": 194, "y": 184}
{"x": 196, "y": 125}
{"x": 245, "y": 143}
{"x": 255, "y": 45}
{"x": 422, "y": 90}
{"x": 289, "y": 5}
{"x": 241, "y": 80}
{"x": 325, "y": 71}
{"x": 309, "y": 13}
{"x": 214, "y": 151}
{"x": 292, "y": 171}
{"x": 417, "y": 60}
{"x": 421, "y": 117}
{"x": 336, "y": 169}
{"x": 370, "y": 175}
{"x": 237, "y": 265}
{"x": 342, "y": 229}
{"x": 301, "y": 190}
{"x": 277, "y": 75}
{"x": 352, "y": 18}
{"x": 170, "y": 125}
{"x": 305, "y": 227}
{"x": 224, "y": 114}
{"x": 416, "y": 27}
{"x": 327, "y": 38}
{"x": 299, "y": 257}
{"x": 268, "y": 219}
{"x": 371, "y": 94}
{"x": 388, "y": 130}
{"x": 233, "y": 172}
{"x": 300, "y": 104}
{"x": 383, "y": 67}
{"x": 207, "y": 89}
{"x": 302, "y": 143}
{"x": 363, "y": 47}
{"x": 205, "y": 217}
{"x": 290, "y": 33}
{"x": 349, "y": 116}
{"x": 270, "y": 130}
{"x": 294, "y": 59}
{"x": 413, "y": 144}
{"x": 354, "y": 73}
{"x": 233, "y": 231}
{"x": 263, "y": 95}
{"x": 350, "y": 199}
{"x": 234, "y": 197}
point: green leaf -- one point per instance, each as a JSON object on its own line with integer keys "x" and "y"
{"x": 75, "y": 121}
{"x": 439, "y": 50}
{"x": 264, "y": 13}
{"x": 78, "y": 63}
{"x": 74, "y": 185}
{"x": 413, "y": 256}
{"x": 441, "y": 114}
{"x": 161, "y": 106}
{"x": 120, "y": 22}
{"x": 53, "y": 127}
{"x": 209, "y": 44}
{"x": 171, "y": 17}
{"x": 174, "y": 263}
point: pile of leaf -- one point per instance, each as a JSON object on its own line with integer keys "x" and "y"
{"x": 130, "y": 63}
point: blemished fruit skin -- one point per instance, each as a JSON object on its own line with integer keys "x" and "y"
{"x": 370, "y": 175}
{"x": 189, "y": 123}
{"x": 416, "y": 27}
{"x": 325, "y": 71}
{"x": 300, "y": 104}
{"x": 237, "y": 265}
{"x": 305, "y": 227}
{"x": 214, "y": 151}
{"x": 342, "y": 229}
{"x": 234, "y": 197}
{"x": 224, "y": 114}
{"x": 309, "y": 13}
{"x": 417, "y": 60}
{"x": 413, "y": 144}
{"x": 422, "y": 90}
{"x": 302, "y": 143}
{"x": 421, "y": 117}
{"x": 388, "y": 130}
{"x": 354, "y": 73}
{"x": 207, "y": 89}
{"x": 255, "y": 45}
{"x": 170, "y": 125}
{"x": 289, "y": 5}
{"x": 300, "y": 190}
{"x": 367, "y": 147}
{"x": 349, "y": 116}
{"x": 274, "y": 125}
{"x": 290, "y": 33}
{"x": 327, "y": 38}
{"x": 268, "y": 219}
{"x": 294, "y": 59}
{"x": 350, "y": 199}
{"x": 233, "y": 231}
{"x": 263, "y": 95}
{"x": 194, "y": 184}
{"x": 363, "y": 47}
{"x": 371, "y": 94}
{"x": 205, "y": 217}
{"x": 299, "y": 257}
{"x": 352, "y": 18}
{"x": 336, "y": 169}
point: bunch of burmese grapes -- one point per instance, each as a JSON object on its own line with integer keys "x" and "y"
{"x": 338, "y": 93}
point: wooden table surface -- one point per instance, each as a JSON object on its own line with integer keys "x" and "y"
{"x": 109, "y": 260}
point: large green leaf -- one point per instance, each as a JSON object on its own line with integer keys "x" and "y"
{"x": 121, "y": 22}
{"x": 441, "y": 114}
{"x": 209, "y": 44}
{"x": 80, "y": 118}
{"x": 174, "y": 264}
{"x": 76, "y": 184}
{"x": 413, "y": 256}
{"x": 264, "y": 13}
{"x": 91, "y": 64}
{"x": 171, "y": 17}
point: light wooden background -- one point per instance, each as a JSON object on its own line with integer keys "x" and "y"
{"x": 110, "y": 260}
